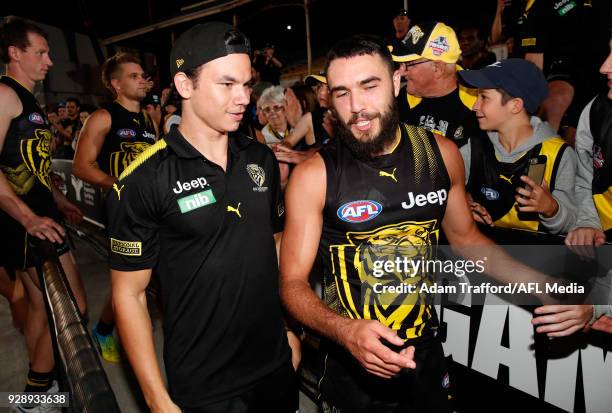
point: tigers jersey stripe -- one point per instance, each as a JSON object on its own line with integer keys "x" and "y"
{"x": 146, "y": 154}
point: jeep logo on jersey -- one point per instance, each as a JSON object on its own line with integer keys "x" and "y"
{"x": 199, "y": 182}
{"x": 126, "y": 133}
{"x": 359, "y": 211}
{"x": 195, "y": 201}
{"x": 490, "y": 193}
{"x": 433, "y": 197}
{"x": 36, "y": 118}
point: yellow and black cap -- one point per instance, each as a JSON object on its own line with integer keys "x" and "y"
{"x": 205, "y": 42}
{"x": 428, "y": 40}
{"x": 314, "y": 80}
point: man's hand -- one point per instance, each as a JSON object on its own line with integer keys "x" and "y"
{"x": 363, "y": 339}
{"x": 479, "y": 213}
{"x": 581, "y": 241}
{"x": 284, "y": 154}
{"x": 296, "y": 349}
{"x": 604, "y": 324}
{"x": 562, "y": 320}
{"x": 538, "y": 199}
{"x": 44, "y": 228}
{"x": 73, "y": 213}
{"x": 585, "y": 236}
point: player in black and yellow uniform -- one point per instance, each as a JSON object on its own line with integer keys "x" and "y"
{"x": 383, "y": 192}
{"x": 110, "y": 140}
{"x": 30, "y": 205}
{"x": 508, "y": 93}
{"x": 567, "y": 40}
{"x": 433, "y": 97}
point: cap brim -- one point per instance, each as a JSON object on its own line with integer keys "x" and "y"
{"x": 476, "y": 79}
{"x": 312, "y": 80}
{"x": 403, "y": 58}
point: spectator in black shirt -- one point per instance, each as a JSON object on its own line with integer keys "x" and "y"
{"x": 267, "y": 65}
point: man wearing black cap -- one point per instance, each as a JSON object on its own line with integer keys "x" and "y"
{"x": 151, "y": 104}
{"x": 508, "y": 93}
{"x": 203, "y": 207}
{"x": 110, "y": 140}
{"x": 401, "y": 24}
{"x": 267, "y": 65}
{"x": 433, "y": 97}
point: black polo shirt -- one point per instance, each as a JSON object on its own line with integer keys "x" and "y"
{"x": 209, "y": 234}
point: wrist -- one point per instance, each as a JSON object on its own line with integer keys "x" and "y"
{"x": 552, "y": 211}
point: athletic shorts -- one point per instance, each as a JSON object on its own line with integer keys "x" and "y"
{"x": 349, "y": 388}
{"x": 277, "y": 392}
{"x": 18, "y": 248}
{"x": 583, "y": 77}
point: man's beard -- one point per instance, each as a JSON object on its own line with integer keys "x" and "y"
{"x": 369, "y": 148}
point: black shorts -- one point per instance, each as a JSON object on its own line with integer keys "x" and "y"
{"x": 18, "y": 248}
{"x": 349, "y": 388}
{"x": 275, "y": 393}
{"x": 584, "y": 78}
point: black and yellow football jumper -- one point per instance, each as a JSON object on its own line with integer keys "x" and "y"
{"x": 494, "y": 178}
{"x": 450, "y": 115}
{"x": 130, "y": 134}
{"x": 600, "y": 122}
{"x": 25, "y": 161}
{"x": 378, "y": 211}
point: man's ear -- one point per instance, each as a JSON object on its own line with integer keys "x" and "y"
{"x": 115, "y": 84}
{"x": 184, "y": 85}
{"x": 397, "y": 80}
{"x": 13, "y": 52}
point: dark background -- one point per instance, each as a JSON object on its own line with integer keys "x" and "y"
{"x": 263, "y": 21}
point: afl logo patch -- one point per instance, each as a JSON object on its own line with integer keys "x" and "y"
{"x": 126, "y": 133}
{"x": 359, "y": 211}
{"x": 490, "y": 193}
{"x": 36, "y": 118}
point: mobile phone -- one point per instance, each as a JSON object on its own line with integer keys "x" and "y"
{"x": 535, "y": 170}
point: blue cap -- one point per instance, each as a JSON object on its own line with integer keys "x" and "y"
{"x": 518, "y": 77}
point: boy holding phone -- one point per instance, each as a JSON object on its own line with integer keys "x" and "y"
{"x": 522, "y": 176}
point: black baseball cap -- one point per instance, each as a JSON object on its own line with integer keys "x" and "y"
{"x": 520, "y": 78}
{"x": 151, "y": 99}
{"x": 205, "y": 42}
{"x": 401, "y": 12}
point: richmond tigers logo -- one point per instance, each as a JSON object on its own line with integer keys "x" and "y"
{"x": 355, "y": 280}
{"x": 36, "y": 156}
{"x": 121, "y": 159}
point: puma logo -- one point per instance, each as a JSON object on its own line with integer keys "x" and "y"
{"x": 236, "y": 210}
{"x": 509, "y": 180}
{"x": 137, "y": 121}
{"x": 118, "y": 190}
{"x": 387, "y": 174}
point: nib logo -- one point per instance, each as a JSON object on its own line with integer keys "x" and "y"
{"x": 195, "y": 201}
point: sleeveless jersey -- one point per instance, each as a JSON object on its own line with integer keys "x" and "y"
{"x": 130, "y": 134}
{"x": 380, "y": 211}
{"x": 600, "y": 119}
{"x": 26, "y": 155}
{"x": 493, "y": 183}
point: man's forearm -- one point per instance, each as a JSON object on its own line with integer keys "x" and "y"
{"x": 136, "y": 332}
{"x": 12, "y": 204}
{"x": 303, "y": 304}
{"x": 94, "y": 176}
